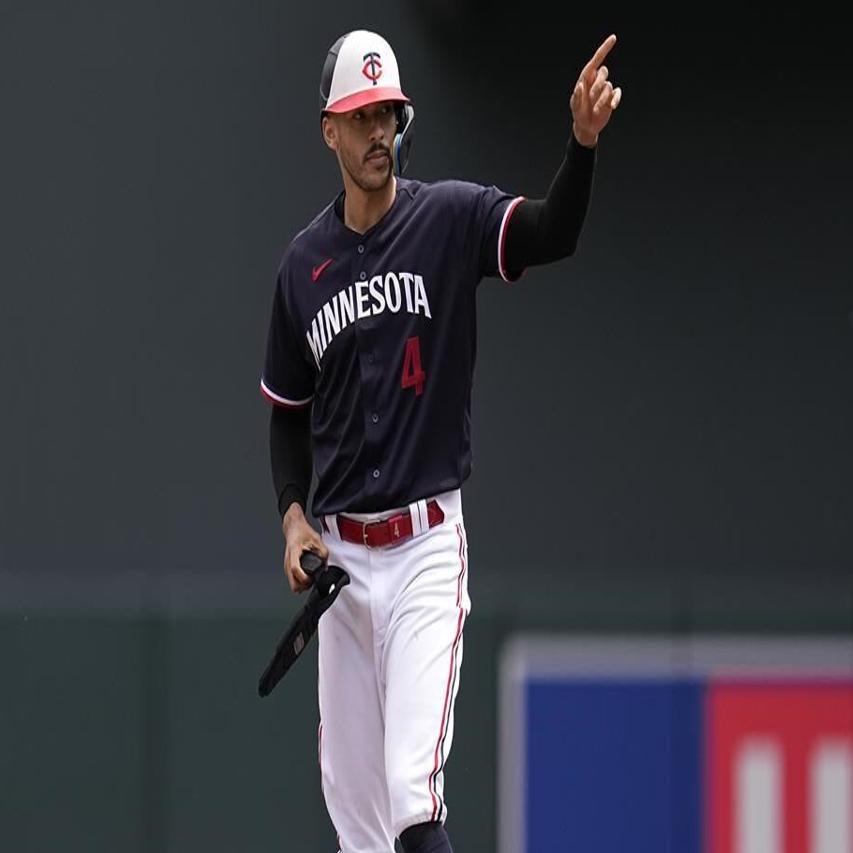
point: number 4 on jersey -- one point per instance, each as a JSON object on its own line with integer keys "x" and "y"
{"x": 413, "y": 375}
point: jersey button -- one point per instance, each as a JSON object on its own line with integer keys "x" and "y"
{"x": 370, "y": 358}
{"x": 362, "y": 275}
{"x": 375, "y": 418}
{"x": 375, "y": 473}
{"x": 361, "y": 250}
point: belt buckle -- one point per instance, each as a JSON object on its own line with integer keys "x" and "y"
{"x": 364, "y": 527}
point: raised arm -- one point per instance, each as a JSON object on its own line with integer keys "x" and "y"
{"x": 544, "y": 230}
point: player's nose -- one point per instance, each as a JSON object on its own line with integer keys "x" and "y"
{"x": 377, "y": 132}
{"x": 376, "y": 126}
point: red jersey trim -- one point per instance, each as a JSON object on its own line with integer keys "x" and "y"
{"x": 283, "y": 401}
{"x": 502, "y": 240}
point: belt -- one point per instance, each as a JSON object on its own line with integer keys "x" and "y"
{"x": 388, "y": 531}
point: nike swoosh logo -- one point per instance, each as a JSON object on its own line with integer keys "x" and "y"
{"x": 318, "y": 271}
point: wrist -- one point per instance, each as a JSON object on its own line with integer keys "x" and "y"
{"x": 584, "y": 137}
{"x": 290, "y": 494}
{"x": 293, "y": 515}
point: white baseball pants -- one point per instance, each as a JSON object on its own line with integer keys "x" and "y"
{"x": 390, "y": 651}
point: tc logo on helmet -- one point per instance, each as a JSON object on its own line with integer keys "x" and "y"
{"x": 372, "y": 68}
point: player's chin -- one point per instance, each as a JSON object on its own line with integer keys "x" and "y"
{"x": 377, "y": 172}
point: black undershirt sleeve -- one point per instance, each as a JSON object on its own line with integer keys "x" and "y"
{"x": 290, "y": 455}
{"x": 543, "y": 230}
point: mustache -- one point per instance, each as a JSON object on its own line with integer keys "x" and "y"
{"x": 378, "y": 148}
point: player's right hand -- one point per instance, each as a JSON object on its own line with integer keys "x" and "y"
{"x": 299, "y": 536}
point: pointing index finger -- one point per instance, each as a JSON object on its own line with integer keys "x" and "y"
{"x": 591, "y": 67}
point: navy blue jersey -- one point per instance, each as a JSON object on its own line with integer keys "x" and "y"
{"x": 377, "y": 332}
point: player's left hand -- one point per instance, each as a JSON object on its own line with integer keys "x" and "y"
{"x": 594, "y": 98}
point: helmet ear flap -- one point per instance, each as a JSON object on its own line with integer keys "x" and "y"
{"x": 404, "y": 136}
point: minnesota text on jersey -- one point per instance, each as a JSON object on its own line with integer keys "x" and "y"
{"x": 366, "y": 299}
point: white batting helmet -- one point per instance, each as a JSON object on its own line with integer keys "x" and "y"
{"x": 360, "y": 69}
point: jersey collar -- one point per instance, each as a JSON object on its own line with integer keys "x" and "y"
{"x": 338, "y": 213}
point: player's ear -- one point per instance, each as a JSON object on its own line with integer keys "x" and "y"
{"x": 330, "y": 131}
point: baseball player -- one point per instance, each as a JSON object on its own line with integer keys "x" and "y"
{"x": 369, "y": 364}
